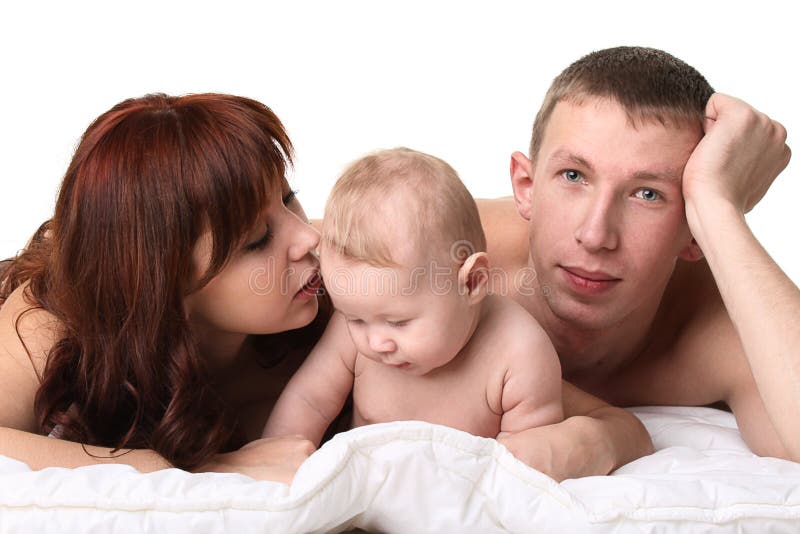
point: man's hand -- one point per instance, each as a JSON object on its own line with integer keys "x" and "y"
{"x": 741, "y": 154}
{"x": 594, "y": 439}
{"x": 553, "y": 451}
{"x": 275, "y": 459}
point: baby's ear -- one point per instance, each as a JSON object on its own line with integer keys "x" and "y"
{"x": 473, "y": 277}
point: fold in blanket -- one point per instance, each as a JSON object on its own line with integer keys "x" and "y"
{"x": 417, "y": 477}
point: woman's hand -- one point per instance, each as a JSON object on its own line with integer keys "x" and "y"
{"x": 274, "y": 459}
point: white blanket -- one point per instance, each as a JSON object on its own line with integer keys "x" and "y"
{"x": 416, "y": 477}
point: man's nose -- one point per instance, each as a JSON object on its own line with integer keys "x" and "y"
{"x": 598, "y": 229}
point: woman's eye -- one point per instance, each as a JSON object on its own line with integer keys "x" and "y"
{"x": 261, "y": 242}
{"x": 572, "y": 176}
{"x": 289, "y": 197}
{"x": 648, "y": 194}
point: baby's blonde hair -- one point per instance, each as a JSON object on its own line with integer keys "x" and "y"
{"x": 397, "y": 194}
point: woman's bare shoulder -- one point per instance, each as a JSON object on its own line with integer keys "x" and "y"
{"x": 27, "y": 332}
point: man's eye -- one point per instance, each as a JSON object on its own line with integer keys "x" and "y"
{"x": 648, "y": 195}
{"x": 572, "y": 176}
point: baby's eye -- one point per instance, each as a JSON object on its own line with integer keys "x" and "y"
{"x": 355, "y": 322}
{"x": 572, "y": 175}
{"x": 648, "y": 194}
{"x": 398, "y": 323}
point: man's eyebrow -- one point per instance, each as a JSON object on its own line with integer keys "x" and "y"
{"x": 565, "y": 156}
{"x": 666, "y": 175}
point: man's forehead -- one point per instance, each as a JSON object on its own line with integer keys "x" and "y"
{"x": 594, "y": 130}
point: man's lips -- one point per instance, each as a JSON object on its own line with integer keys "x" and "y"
{"x": 594, "y": 276}
{"x": 589, "y": 283}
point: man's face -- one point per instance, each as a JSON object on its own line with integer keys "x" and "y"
{"x": 606, "y": 212}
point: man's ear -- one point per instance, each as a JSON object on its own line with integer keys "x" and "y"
{"x": 473, "y": 277}
{"x": 522, "y": 183}
{"x": 691, "y": 252}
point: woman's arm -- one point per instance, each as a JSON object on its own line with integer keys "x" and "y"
{"x": 40, "y": 452}
{"x": 274, "y": 459}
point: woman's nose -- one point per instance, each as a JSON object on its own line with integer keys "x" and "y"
{"x": 304, "y": 240}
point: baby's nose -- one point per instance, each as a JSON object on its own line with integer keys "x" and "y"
{"x": 382, "y": 344}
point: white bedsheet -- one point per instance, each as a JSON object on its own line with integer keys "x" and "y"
{"x": 416, "y": 477}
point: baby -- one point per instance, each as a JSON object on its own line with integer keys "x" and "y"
{"x": 416, "y": 334}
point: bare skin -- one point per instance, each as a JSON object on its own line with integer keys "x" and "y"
{"x": 436, "y": 349}
{"x": 701, "y": 331}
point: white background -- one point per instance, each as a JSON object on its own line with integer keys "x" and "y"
{"x": 462, "y": 80}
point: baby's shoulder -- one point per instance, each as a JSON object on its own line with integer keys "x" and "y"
{"x": 509, "y": 321}
{"x": 515, "y": 335}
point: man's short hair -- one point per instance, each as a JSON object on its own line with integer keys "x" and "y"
{"x": 401, "y": 199}
{"x": 649, "y": 84}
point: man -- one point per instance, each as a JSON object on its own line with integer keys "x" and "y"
{"x": 648, "y": 280}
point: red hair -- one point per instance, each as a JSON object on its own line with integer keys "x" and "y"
{"x": 146, "y": 179}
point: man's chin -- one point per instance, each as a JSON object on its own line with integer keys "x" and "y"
{"x": 579, "y": 314}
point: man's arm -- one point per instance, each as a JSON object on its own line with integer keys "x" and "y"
{"x": 728, "y": 173}
{"x": 594, "y": 439}
{"x": 316, "y": 393}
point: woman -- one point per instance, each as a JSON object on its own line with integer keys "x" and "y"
{"x": 158, "y": 312}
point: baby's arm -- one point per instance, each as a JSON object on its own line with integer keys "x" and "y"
{"x": 531, "y": 394}
{"x": 316, "y": 393}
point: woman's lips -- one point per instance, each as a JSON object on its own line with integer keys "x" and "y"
{"x": 311, "y": 288}
{"x": 589, "y": 282}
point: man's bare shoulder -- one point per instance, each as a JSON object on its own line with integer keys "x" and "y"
{"x": 705, "y": 337}
{"x": 506, "y": 233}
{"x": 693, "y": 356}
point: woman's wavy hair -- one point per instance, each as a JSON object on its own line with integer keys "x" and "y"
{"x": 115, "y": 263}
